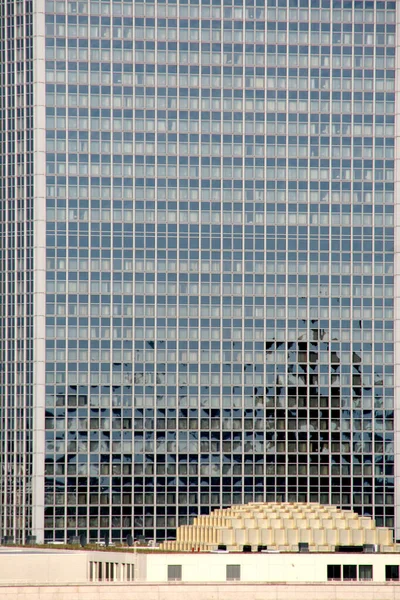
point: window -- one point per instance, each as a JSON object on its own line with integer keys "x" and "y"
{"x": 365, "y": 572}
{"x": 349, "y": 572}
{"x": 233, "y": 572}
{"x": 109, "y": 571}
{"x": 174, "y": 572}
{"x": 392, "y": 572}
{"x": 130, "y": 572}
{"x": 334, "y": 572}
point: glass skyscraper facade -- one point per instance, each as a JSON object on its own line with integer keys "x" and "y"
{"x": 16, "y": 266}
{"x": 197, "y": 256}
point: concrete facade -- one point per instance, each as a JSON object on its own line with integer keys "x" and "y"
{"x": 42, "y": 568}
{"x": 205, "y": 592}
{"x": 51, "y": 567}
{"x": 35, "y": 567}
{"x": 268, "y": 568}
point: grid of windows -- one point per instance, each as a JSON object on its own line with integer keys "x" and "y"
{"x": 365, "y": 572}
{"x": 220, "y": 189}
{"x": 16, "y": 267}
{"x": 109, "y": 571}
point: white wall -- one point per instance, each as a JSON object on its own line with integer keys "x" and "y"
{"x": 285, "y": 567}
{"x": 34, "y": 568}
{"x": 72, "y": 567}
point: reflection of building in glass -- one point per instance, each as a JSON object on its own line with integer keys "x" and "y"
{"x": 197, "y": 261}
{"x": 314, "y": 421}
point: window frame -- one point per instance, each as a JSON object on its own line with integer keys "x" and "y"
{"x": 334, "y": 568}
{"x": 366, "y": 578}
{"x": 392, "y": 578}
{"x": 170, "y": 573}
{"x": 233, "y": 572}
{"x": 348, "y": 568}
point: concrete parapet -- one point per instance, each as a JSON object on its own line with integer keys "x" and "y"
{"x": 292, "y": 537}
{"x": 254, "y": 536}
{"x": 344, "y": 537}
{"x": 366, "y": 522}
{"x": 305, "y": 535}
{"x": 280, "y": 537}
{"x": 266, "y": 537}
{"x": 332, "y": 537}
{"x": 240, "y": 537}
{"x": 276, "y": 523}
{"x": 385, "y": 536}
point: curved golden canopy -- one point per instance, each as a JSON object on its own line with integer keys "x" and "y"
{"x": 280, "y": 526}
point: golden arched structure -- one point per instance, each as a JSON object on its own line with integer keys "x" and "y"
{"x": 280, "y": 526}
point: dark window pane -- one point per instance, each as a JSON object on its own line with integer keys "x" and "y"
{"x": 365, "y": 572}
{"x": 392, "y": 572}
{"x": 334, "y": 572}
{"x": 349, "y": 572}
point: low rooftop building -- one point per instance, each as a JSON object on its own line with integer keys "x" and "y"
{"x": 84, "y": 567}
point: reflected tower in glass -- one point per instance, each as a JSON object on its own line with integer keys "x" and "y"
{"x": 197, "y": 260}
